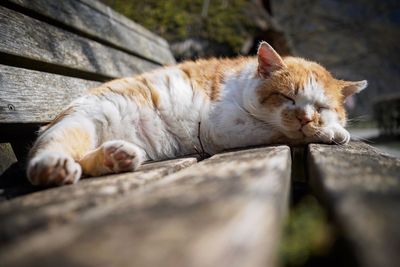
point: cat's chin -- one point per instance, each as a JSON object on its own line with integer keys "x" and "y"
{"x": 294, "y": 135}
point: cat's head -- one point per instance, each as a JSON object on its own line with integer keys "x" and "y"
{"x": 301, "y": 97}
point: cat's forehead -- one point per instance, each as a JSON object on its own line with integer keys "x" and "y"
{"x": 301, "y": 71}
{"x": 311, "y": 90}
{"x": 310, "y": 80}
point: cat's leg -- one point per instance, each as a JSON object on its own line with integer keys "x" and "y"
{"x": 112, "y": 157}
{"x": 53, "y": 158}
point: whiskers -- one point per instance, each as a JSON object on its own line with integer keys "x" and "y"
{"x": 357, "y": 120}
{"x": 359, "y": 138}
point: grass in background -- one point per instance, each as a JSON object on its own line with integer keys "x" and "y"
{"x": 307, "y": 234}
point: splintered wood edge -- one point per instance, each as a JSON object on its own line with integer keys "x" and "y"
{"x": 229, "y": 203}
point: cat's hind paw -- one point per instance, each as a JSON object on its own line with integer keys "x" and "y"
{"x": 53, "y": 168}
{"x": 122, "y": 156}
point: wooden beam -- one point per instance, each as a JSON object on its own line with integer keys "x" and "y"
{"x": 56, "y": 206}
{"x": 22, "y": 36}
{"x": 99, "y": 22}
{"x": 124, "y": 20}
{"x": 362, "y": 188}
{"x": 224, "y": 211}
{"x": 32, "y": 96}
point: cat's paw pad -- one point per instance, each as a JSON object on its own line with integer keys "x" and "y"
{"x": 121, "y": 156}
{"x": 53, "y": 168}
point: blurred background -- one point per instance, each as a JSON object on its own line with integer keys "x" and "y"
{"x": 355, "y": 40}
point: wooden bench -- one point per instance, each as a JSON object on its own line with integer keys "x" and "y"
{"x": 227, "y": 210}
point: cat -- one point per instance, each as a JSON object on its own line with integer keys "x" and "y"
{"x": 209, "y": 105}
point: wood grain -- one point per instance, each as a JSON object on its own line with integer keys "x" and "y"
{"x": 99, "y": 22}
{"x": 33, "y": 96}
{"x": 26, "y": 37}
{"x": 124, "y": 20}
{"x": 224, "y": 211}
{"x": 362, "y": 187}
{"x": 53, "y": 207}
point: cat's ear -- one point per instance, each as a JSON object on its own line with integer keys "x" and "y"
{"x": 268, "y": 60}
{"x": 351, "y": 88}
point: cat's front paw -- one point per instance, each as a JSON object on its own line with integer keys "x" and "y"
{"x": 122, "y": 156}
{"x": 341, "y": 136}
{"x": 335, "y": 135}
{"x": 53, "y": 168}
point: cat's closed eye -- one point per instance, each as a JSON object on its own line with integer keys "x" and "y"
{"x": 287, "y": 98}
{"x": 321, "y": 107}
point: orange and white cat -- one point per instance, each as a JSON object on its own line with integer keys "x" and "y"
{"x": 158, "y": 115}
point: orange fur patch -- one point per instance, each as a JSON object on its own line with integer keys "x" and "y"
{"x": 206, "y": 75}
{"x": 73, "y": 141}
{"x": 77, "y": 141}
{"x": 93, "y": 162}
{"x": 138, "y": 88}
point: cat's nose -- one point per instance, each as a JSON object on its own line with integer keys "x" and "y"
{"x": 303, "y": 120}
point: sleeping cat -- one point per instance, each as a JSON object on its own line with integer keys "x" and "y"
{"x": 213, "y": 104}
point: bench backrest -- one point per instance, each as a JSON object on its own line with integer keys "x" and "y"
{"x": 52, "y": 51}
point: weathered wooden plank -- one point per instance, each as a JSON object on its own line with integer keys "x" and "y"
{"x": 224, "y": 211}
{"x": 362, "y": 187}
{"x": 26, "y": 37}
{"x": 33, "y": 96}
{"x": 104, "y": 24}
{"x": 124, "y": 20}
{"x": 7, "y": 157}
{"x": 24, "y": 215}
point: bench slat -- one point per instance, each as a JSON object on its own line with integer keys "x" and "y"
{"x": 224, "y": 211}
{"x": 25, "y": 37}
{"x": 102, "y": 23}
{"x": 49, "y": 208}
{"x": 124, "y": 20}
{"x": 33, "y": 96}
{"x": 362, "y": 187}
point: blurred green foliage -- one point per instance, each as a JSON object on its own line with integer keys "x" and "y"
{"x": 225, "y": 23}
{"x": 306, "y": 234}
